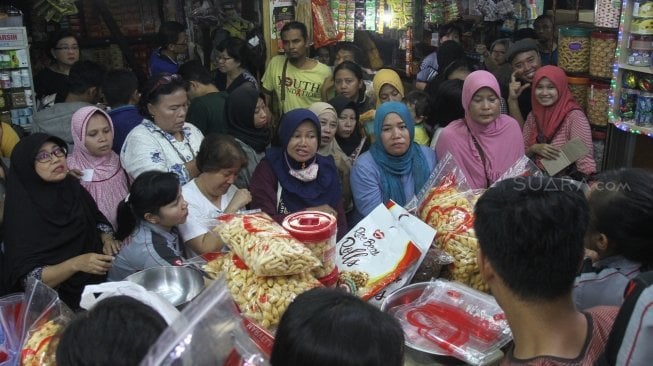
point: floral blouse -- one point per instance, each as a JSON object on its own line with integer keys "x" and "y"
{"x": 148, "y": 147}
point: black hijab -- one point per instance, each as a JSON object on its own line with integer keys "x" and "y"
{"x": 240, "y": 118}
{"x": 47, "y": 223}
{"x": 349, "y": 144}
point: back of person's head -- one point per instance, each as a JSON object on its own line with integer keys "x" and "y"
{"x": 621, "y": 208}
{"x": 119, "y": 86}
{"x": 327, "y": 327}
{"x": 420, "y": 100}
{"x": 169, "y": 33}
{"x": 238, "y": 49}
{"x": 219, "y": 152}
{"x": 117, "y": 331}
{"x": 531, "y": 230}
{"x": 297, "y": 26}
{"x": 449, "y": 28}
{"x": 524, "y": 33}
{"x": 193, "y": 70}
{"x": 449, "y": 52}
{"x": 157, "y": 86}
{"x": 447, "y": 103}
{"x": 84, "y": 75}
{"x": 360, "y": 57}
{"x": 149, "y": 192}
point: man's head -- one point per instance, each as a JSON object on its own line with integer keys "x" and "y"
{"x": 197, "y": 76}
{"x": 544, "y": 28}
{"x": 524, "y": 59}
{"x": 172, "y": 37}
{"x": 530, "y": 232}
{"x": 449, "y": 32}
{"x": 120, "y": 87}
{"x": 84, "y": 80}
{"x": 294, "y": 37}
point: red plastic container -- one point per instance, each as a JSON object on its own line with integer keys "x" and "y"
{"x": 317, "y": 230}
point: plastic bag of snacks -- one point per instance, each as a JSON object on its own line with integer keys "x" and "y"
{"x": 524, "y": 167}
{"x": 454, "y": 320}
{"x": 324, "y": 28}
{"x": 210, "y": 331}
{"x": 464, "y": 269}
{"x": 45, "y": 317}
{"x": 264, "y": 299}
{"x": 264, "y": 245}
{"x": 11, "y": 320}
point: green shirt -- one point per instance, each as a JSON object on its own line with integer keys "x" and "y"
{"x": 207, "y": 113}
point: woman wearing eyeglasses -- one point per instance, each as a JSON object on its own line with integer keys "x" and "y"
{"x": 53, "y": 79}
{"x": 53, "y": 228}
{"x": 234, "y": 65}
{"x": 173, "y": 44}
{"x": 164, "y": 141}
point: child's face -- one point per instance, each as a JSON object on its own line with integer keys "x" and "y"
{"x": 174, "y": 213}
{"x": 346, "y": 123}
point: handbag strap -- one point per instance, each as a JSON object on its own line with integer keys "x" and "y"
{"x": 282, "y": 99}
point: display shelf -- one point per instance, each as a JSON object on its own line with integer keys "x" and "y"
{"x": 633, "y": 128}
{"x": 642, "y": 69}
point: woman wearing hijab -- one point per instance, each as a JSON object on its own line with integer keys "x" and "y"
{"x": 556, "y": 118}
{"x": 485, "y": 143}
{"x": 387, "y": 88}
{"x": 294, "y": 177}
{"x": 103, "y": 176}
{"x": 328, "y": 118}
{"x": 395, "y": 167}
{"x": 348, "y": 135}
{"x": 54, "y": 230}
{"x": 247, "y": 121}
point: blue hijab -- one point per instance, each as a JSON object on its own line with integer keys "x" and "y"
{"x": 296, "y": 194}
{"x": 413, "y": 161}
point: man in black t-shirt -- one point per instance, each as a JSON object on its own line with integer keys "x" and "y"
{"x": 524, "y": 58}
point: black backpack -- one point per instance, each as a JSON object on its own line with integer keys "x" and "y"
{"x": 631, "y": 339}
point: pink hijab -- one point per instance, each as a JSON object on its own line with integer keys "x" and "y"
{"x": 108, "y": 184}
{"x": 501, "y": 141}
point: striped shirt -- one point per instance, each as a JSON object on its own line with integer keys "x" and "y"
{"x": 574, "y": 125}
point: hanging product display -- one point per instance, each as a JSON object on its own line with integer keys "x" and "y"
{"x": 324, "y": 29}
{"x": 281, "y": 13}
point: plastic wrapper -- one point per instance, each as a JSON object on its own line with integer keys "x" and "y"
{"x": 524, "y": 167}
{"x": 317, "y": 231}
{"x": 464, "y": 269}
{"x": 324, "y": 28}
{"x": 445, "y": 176}
{"x": 454, "y": 320}
{"x": 265, "y": 247}
{"x": 264, "y": 299}
{"x": 45, "y": 318}
{"x": 431, "y": 266}
{"x": 210, "y": 331}
{"x": 11, "y": 322}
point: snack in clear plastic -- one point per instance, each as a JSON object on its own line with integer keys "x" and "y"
{"x": 264, "y": 245}
{"x": 464, "y": 269}
{"x": 452, "y": 319}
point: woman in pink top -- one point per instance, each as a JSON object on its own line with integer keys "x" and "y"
{"x": 485, "y": 143}
{"x": 103, "y": 176}
{"x": 556, "y": 118}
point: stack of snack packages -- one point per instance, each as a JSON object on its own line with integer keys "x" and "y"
{"x": 447, "y": 204}
{"x": 266, "y": 268}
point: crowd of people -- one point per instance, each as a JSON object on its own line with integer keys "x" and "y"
{"x": 95, "y": 195}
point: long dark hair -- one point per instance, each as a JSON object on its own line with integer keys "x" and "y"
{"x": 149, "y": 192}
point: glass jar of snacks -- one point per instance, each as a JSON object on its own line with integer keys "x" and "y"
{"x": 607, "y": 13}
{"x": 628, "y": 104}
{"x": 598, "y": 103}
{"x": 644, "y": 111}
{"x": 640, "y": 49}
{"x": 602, "y": 48}
{"x": 643, "y": 9}
{"x": 317, "y": 230}
{"x": 574, "y": 49}
{"x": 579, "y": 87}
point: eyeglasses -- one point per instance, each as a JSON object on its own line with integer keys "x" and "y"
{"x": 163, "y": 80}
{"x": 46, "y": 157}
{"x": 67, "y": 48}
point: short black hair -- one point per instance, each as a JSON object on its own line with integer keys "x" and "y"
{"x": 542, "y": 18}
{"x": 360, "y": 57}
{"x": 169, "y": 32}
{"x": 621, "y": 208}
{"x": 84, "y": 75}
{"x": 156, "y": 86}
{"x": 218, "y": 152}
{"x": 325, "y": 327}
{"x": 193, "y": 70}
{"x": 119, "y": 86}
{"x": 449, "y": 28}
{"x": 531, "y": 230}
{"x": 420, "y": 99}
{"x": 117, "y": 331}
{"x": 295, "y": 25}
{"x": 238, "y": 49}
{"x": 524, "y": 33}
{"x": 57, "y": 36}
{"x": 446, "y": 106}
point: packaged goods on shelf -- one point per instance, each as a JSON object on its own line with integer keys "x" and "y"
{"x": 574, "y": 49}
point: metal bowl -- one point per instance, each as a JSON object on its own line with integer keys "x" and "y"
{"x": 415, "y": 354}
{"x": 178, "y": 285}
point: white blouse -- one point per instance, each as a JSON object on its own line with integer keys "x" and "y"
{"x": 148, "y": 147}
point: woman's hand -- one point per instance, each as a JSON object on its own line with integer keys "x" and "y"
{"x": 546, "y": 151}
{"x": 110, "y": 246}
{"x": 93, "y": 263}
{"x": 324, "y": 208}
{"x": 241, "y": 199}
